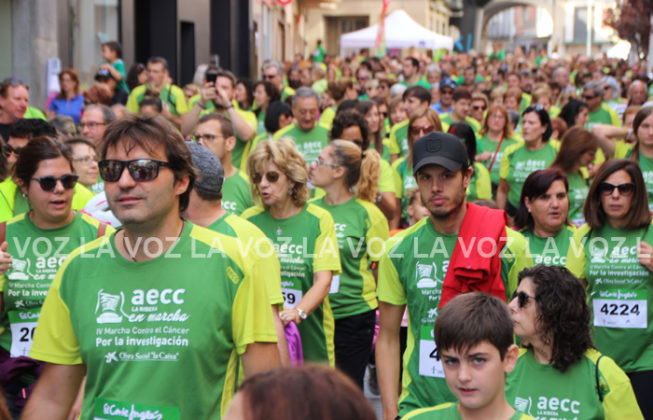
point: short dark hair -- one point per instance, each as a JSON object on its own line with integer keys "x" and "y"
{"x": 79, "y": 140}
{"x": 461, "y": 93}
{"x": 270, "y": 89}
{"x": 535, "y": 185}
{"x": 29, "y": 128}
{"x": 638, "y": 215}
{"x": 229, "y": 75}
{"x": 563, "y": 314}
{"x": 226, "y": 126}
{"x": 570, "y": 111}
{"x": 39, "y": 149}
{"x": 544, "y": 119}
{"x": 466, "y": 134}
{"x": 419, "y": 92}
{"x": 108, "y": 116}
{"x": 350, "y": 118}
{"x": 147, "y": 132}
{"x": 413, "y": 61}
{"x": 157, "y": 59}
{"x": 115, "y": 47}
{"x": 470, "y": 319}
{"x": 155, "y": 102}
{"x": 275, "y": 110}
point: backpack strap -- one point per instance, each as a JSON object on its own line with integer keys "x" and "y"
{"x": 596, "y": 375}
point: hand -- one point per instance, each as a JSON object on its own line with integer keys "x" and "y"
{"x": 645, "y": 255}
{"x": 5, "y": 258}
{"x": 482, "y": 157}
{"x": 165, "y": 111}
{"x": 288, "y": 315}
{"x": 222, "y": 98}
{"x": 208, "y": 93}
{"x": 105, "y": 66}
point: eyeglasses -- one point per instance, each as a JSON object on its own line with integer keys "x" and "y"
{"x": 625, "y": 189}
{"x": 8, "y": 149}
{"x": 446, "y": 92}
{"x": 141, "y": 170}
{"x": 49, "y": 183}
{"x": 91, "y": 124}
{"x": 320, "y": 162}
{"x": 588, "y": 98}
{"x": 478, "y": 108}
{"x": 85, "y": 159}
{"x": 271, "y": 176}
{"x": 418, "y": 131}
{"x": 208, "y": 137}
{"x": 269, "y": 76}
{"x": 522, "y": 298}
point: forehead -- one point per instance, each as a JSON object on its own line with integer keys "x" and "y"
{"x": 127, "y": 149}
{"x": 270, "y": 71}
{"x": 79, "y": 148}
{"x": 17, "y": 91}
{"x": 309, "y": 102}
{"x": 619, "y": 176}
{"x": 209, "y": 126}
{"x": 224, "y": 80}
{"x": 483, "y": 347}
{"x": 18, "y": 141}
{"x": 155, "y": 66}
{"x": 93, "y": 114}
{"x": 433, "y": 170}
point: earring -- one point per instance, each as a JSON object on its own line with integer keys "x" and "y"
{"x": 290, "y": 191}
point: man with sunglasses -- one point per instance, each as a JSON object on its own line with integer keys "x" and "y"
{"x": 273, "y": 73}
{"x": 159, "y": 302}
{"x": 12, "y": 201}
{"x": 216, "y": 133}
{"x": 309, "y": 137}
{"x": 599, "y": 112}
{"x": 445, "y": 103}
{"x": 416, "y": 99}
{"x": 413, "y": 271}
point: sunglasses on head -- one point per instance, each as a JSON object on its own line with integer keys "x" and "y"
{"x": 12, "y": 81}
{"x": 271, "y": 176}
{"x": 522, "y": 298}
{"x": 625, "y": 189}
{"x": 8, "y": 149}
{"x": 140, "y": 169}
{"x": 49, "y": 183}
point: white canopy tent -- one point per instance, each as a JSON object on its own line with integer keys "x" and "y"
{"x": 401, "y": 31}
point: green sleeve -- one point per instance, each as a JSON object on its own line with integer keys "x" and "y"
{"x": 399, "y": 184}
{"x": 386, "y": 179}
{"x": 516, "y": 258}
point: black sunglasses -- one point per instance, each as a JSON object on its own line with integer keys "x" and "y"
{"x": 522, "y": 298}
{"x": 49, "y": 183}
{"x": 625, "y": 189}
{"x": 271, "y": 176}
{"x": 8, "y": 149}
{"x": 140, "y": 169}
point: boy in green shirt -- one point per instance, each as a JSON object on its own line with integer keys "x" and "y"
{"x": 474, "y": 340}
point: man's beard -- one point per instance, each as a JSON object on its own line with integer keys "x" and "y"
{"x": 458, "y": 202}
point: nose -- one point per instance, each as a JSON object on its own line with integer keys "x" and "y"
{"x": 126, "y": 181}
{"x": 58, "y": 187}
{"x": 464, "y": 372}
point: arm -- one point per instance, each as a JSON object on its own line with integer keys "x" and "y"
{"x": 282, "y": 344}
{"x": 388, "y": 204}
{"x": 55, "y": 392}
{"x": 76, "y": 411}
{"x": 170, "y": 117}
{"x": 606, "y": 135}
{"x": 312, "y": 299}
{"x": 114, "y": 71}
{"x": 189, "y": 119}
{"x": 242, "y": 128}
{"x": 260, "y": 357}
{"x": 393, "y": 222}
{"x": 502, "y": 193}
{"x": 388, "y": 357}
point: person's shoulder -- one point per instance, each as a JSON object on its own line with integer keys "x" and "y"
{"x": 581, "y": 232}
{"x": 17, "y": 220}
{"x": 399, "y": 126}
{"x": 138, "y": 90}
{"x": 371, "y": 208}
{"x": 517, "y": 241}
{"x": 242, "y": 226}
{"x": 480, "y": 169}
{"x": 439, "y": 411}
{"x": 252, "y": 211}
{"x": 284, "y": 131}
{"x": 512, "y": 149}
{"x": 317, "y": 211}
{"x": 397, "y": 163}
{"x": 610, "y": 374}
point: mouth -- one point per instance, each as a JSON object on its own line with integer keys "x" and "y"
{"x": 438, "y": 201}
{"x": 466, "y": 391}
{"x": 58, "y": 204}
{"x": 128, "y": 200}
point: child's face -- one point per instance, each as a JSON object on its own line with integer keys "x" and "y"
{"x": 477, "y": 376}
{"x": 107, "y": 54}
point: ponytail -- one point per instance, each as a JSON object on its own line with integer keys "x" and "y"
{"x": 363, "y": 168}
{"x": 368, "y": 182}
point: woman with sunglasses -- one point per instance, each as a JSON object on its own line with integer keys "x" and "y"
{"x": 496, "y": 136}
{"x": 349, "y": 177}
{"x": 39, "y": 241}
{"x": 612, "y": 254}
{"x": 419, "y": 125}
{"x": 305, "y": 238}
{"x": 542, "y": 216}
{"x": 264, "y": 93}
{"x": 577, "y": 150}
{"x": 520, "y": 160}
{"x": 559, "y": 373}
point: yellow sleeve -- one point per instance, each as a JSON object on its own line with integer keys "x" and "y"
{"x": 378, "y": 233}
{"x": 386, "y": 179}
{"x": 327, "y": 255}
{"x": 55, "y": 340}
{"x": 504, "y": 169}
{"x": 132, "y": 101}
{"x": 390, "y": 289}
{"x": 181, "y": 106}
{"x": 249, "y": 117}
{"x": 614, "y": 116}
{"x": 517, "y": 250}
{"x": 393, "y": 144}
{"x": 399, "y": 183}
{"x": 81, "y": 196}
{"x": 622, "y": 149}
{"x": 576, "y": 258}
{"x": 483, "y": 183}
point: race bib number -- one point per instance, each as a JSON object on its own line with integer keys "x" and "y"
{"x": 621, "y": 309}
{"x": 335, "y": 284}
{"x": 117, "y": 410}
{"x": 428, "y": 364}
{"x": 291, "y": 297}
{"x": 23, "y": 324}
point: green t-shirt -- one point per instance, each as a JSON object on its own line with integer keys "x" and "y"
{"x": 236, "y": 194}
{"x": 604, "y": 115}
{"x": 37, "y": 255}
{"x": 257, "y": 250}
{"x": 412, "y": 273}
{"x": 172, "y": 95}
{"x": 518, "y": 162}
{"x": 551, "y": 250}
{"x": 305, "y": 243}
{"x": 182, "y": 318}
{"x": 646, "y": 165}
{"x": 449, "y": 411}
{"x": 260, "y": 123}
{"x": 448, "y": 122}
{"x": 361, "y": 230}
{"x": 578, "y": 189}
{"x": 399, "y": 139}
{"x": 544, "y": 392}
{"x": 404, "y": 181}
{"x": 421, "y": 82}
{"x": 619, "y": 290}
{"x": 309, "y": 143}
{"x": 120, "y": 66}
{"x": 486, "y": 145}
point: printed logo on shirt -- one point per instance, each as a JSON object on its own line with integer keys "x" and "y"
{"x": 552, "y": 408}
{"x": 19, "y": 270}
{"x": 426, "y": 275}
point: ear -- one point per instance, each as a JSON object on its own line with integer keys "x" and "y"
{"x": 510, "y": 358}
{"x": 467, "y": 176}
{"x": 21, "y": 185}
{"x": 339, "y": 172}
{"x": 181, "y": 184}
{"x": 527, "y": 203}
{"x": 230, "y": 143}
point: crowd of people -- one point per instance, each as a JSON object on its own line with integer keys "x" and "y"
{"x": 412, "y": 219}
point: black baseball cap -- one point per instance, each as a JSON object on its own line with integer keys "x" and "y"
{"x": 441, "y": 149}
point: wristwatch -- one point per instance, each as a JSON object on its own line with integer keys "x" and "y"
{"x": 301, "y": 313}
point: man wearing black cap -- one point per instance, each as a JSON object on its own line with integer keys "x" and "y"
{"x": 205, "y": 209}
{"x": 460, "y": 247}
